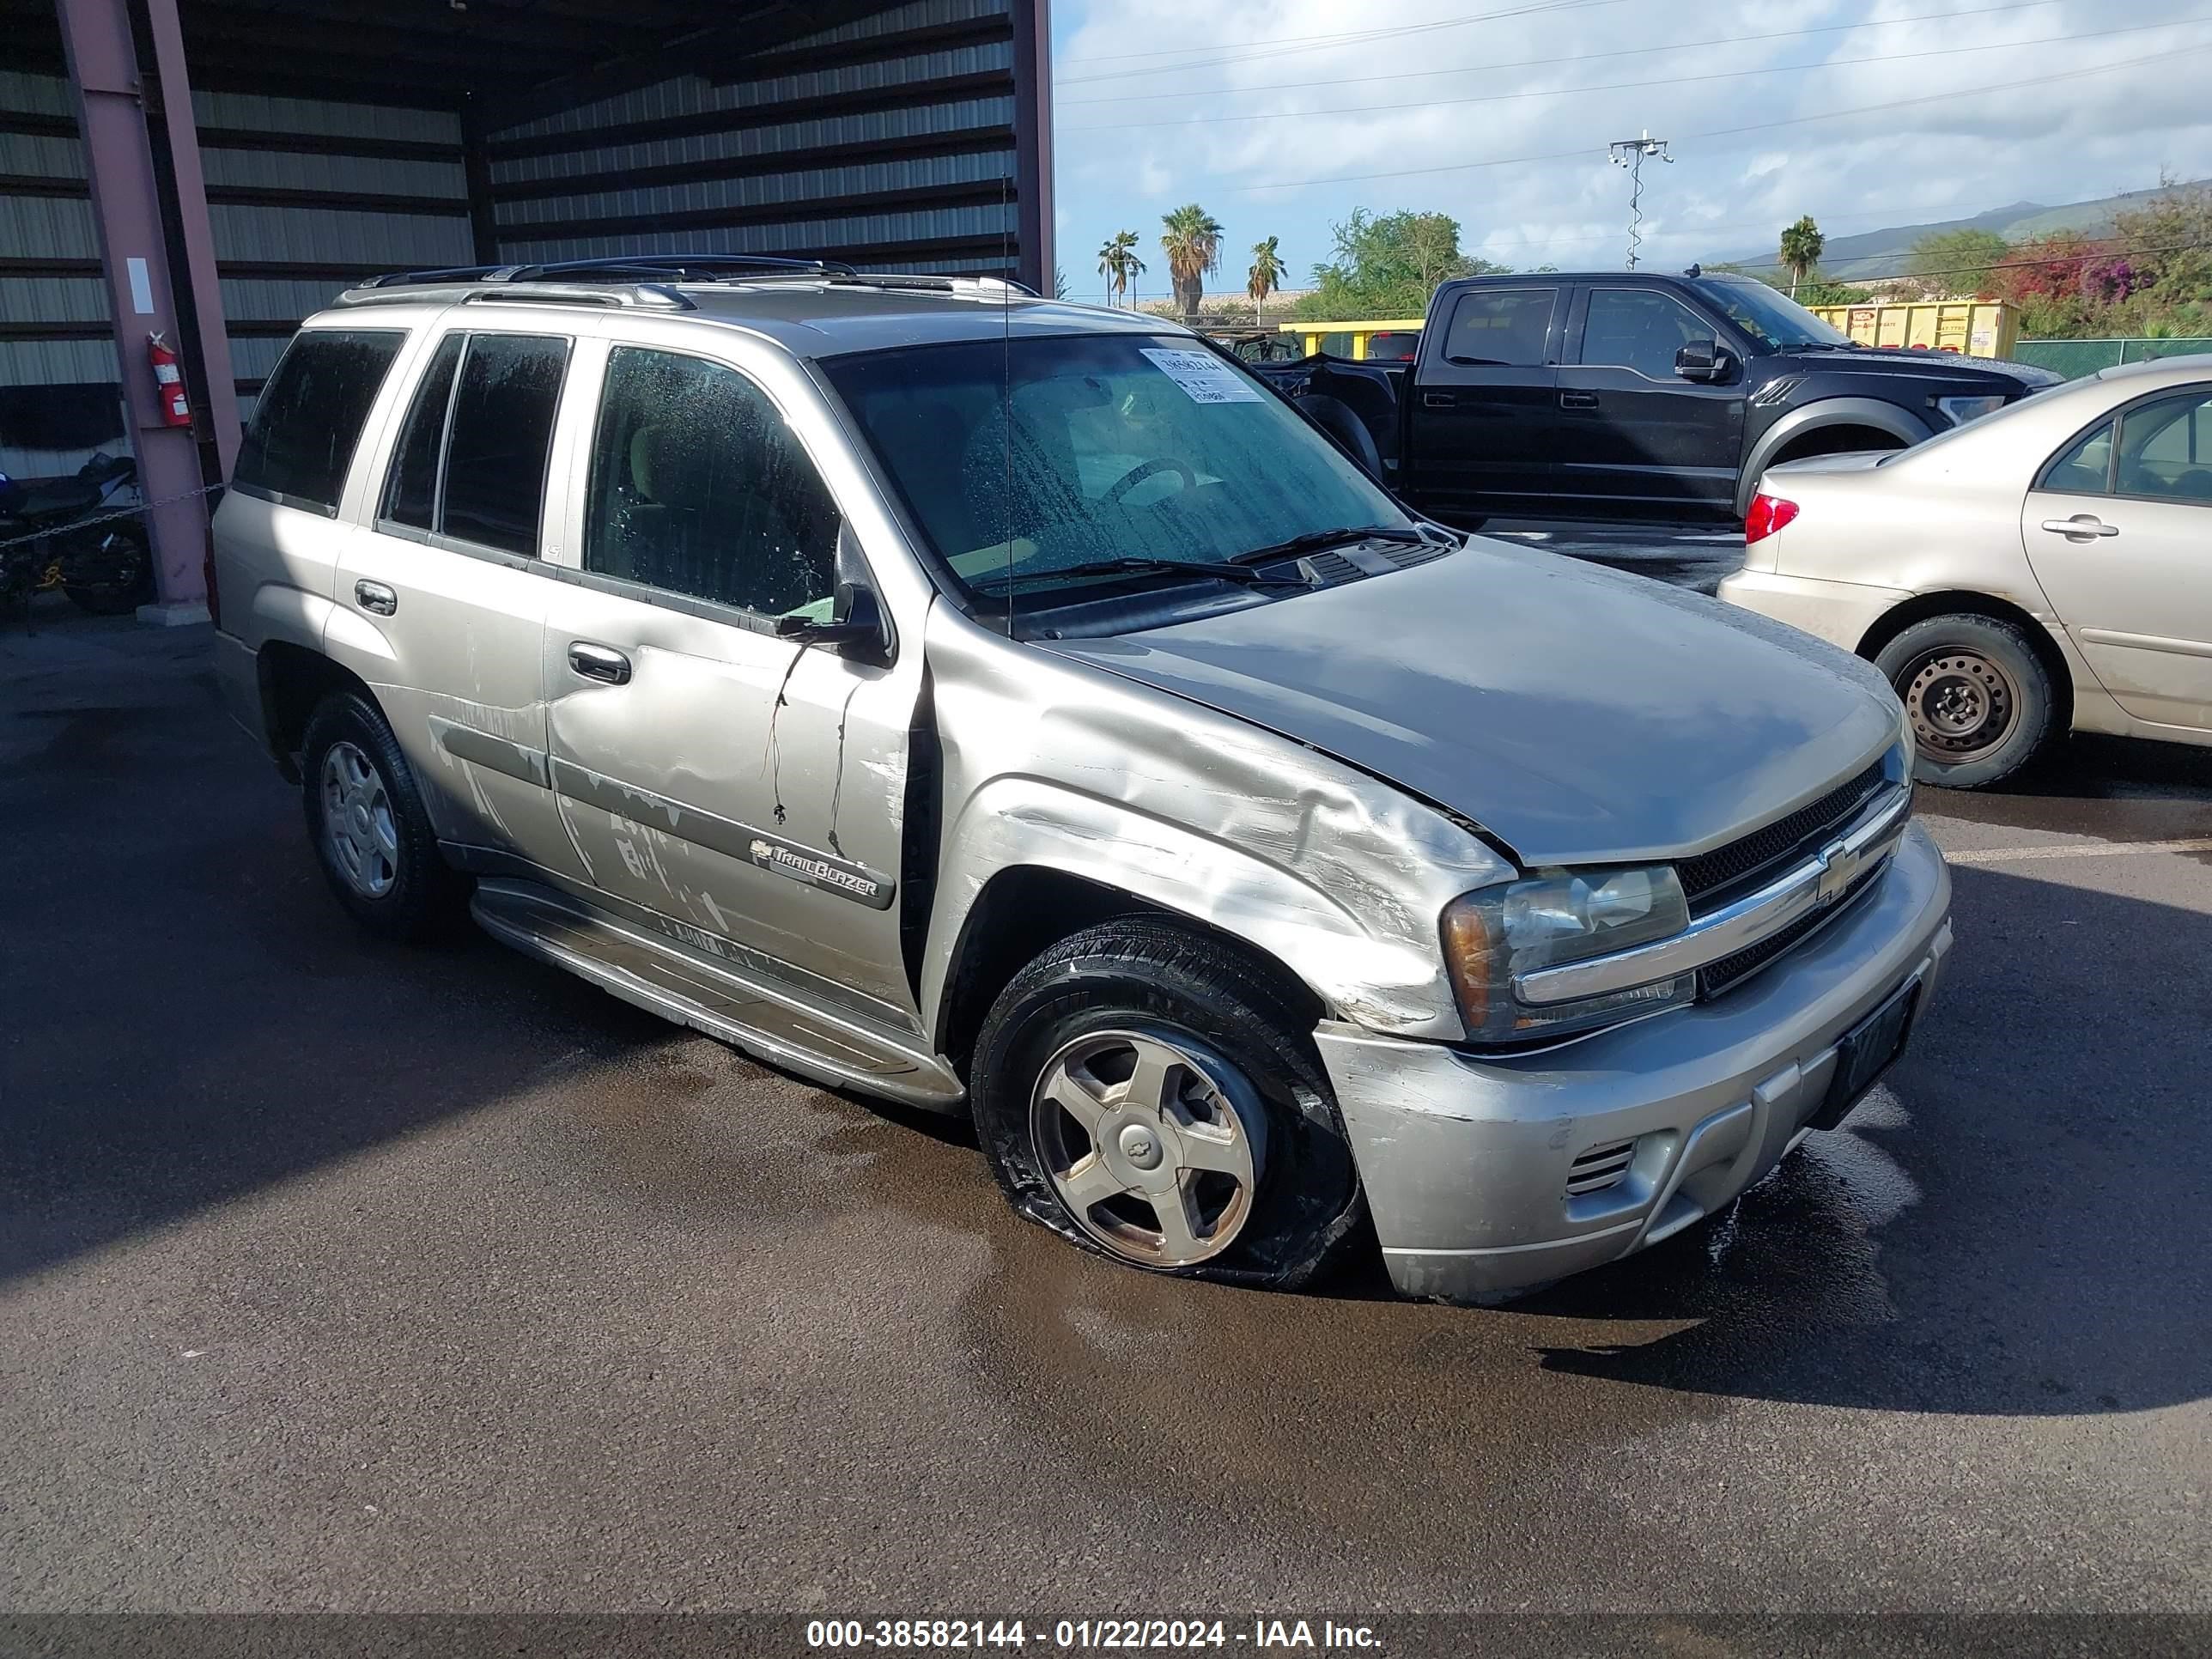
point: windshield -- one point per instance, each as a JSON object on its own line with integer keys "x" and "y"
{"x": 1020, "y": 460}
{"x": 1767, "y": 314}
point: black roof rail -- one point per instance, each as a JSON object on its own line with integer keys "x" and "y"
{"x": 621, "y": 268}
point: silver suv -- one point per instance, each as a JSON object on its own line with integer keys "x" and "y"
{"x": 1014, "y": 709}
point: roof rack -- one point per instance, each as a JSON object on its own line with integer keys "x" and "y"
{"x": 623, "y": 268}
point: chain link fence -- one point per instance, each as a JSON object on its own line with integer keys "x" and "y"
{"x": 2076, "y": 358}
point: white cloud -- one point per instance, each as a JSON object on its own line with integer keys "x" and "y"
{"x": 1957, "y": 151}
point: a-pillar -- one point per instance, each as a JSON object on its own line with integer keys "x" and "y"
{"x": 126, "y": 61}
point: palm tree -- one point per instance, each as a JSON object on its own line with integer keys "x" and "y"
{"x": 1193, "y": 241}
{"x": 1803, "y": 244}
{"x": 1264, "y": 277}
{"x": 1118, "y": 262}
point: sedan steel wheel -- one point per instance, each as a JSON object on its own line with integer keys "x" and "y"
{"x": 1962, "y": 706}
{"x": 358, "y": 828}
{"x": 1155, "y": 1143}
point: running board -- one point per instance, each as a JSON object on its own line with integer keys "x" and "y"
{"x": 768, "y": 1021}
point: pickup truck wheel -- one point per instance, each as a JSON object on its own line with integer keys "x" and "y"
{"x": 1978, "y": 695}
{"x": 1152, "y": 1094}
{"x": 368, "y": 825}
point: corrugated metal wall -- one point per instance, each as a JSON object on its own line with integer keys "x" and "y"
{"x": 888, "y": 143}
{"x": 303, "y": 197}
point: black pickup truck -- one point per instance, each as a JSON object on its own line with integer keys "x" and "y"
{"x": 1627, "y": 396}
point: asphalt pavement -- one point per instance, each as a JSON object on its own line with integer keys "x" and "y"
{"x": 339, "y": 1275}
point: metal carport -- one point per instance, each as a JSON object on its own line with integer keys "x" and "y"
{"x": 252, "y": 156}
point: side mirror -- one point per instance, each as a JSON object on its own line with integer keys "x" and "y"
{"x": 1705, "y": 361}
{"x": 858, "y": 627}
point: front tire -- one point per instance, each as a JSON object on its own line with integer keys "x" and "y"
{"x": 368, "y": 827}
{"x": 113, "y": 578}
{"x": 1152, "y": 1093}
{"x": 1978, "y": 695}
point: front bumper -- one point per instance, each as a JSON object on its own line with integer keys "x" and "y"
{"x": 1467, "y": 1160}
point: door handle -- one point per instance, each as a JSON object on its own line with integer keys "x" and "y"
{"x": 2081, "y": 527}
{"x": 599, "y": 662}
{"x": 1437, "y": 400}
{"x": 375, "y": 597}
{"x": 1578, "y": 400}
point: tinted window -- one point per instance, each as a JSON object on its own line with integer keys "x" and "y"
{"x": 310, "y": 413}
{"x": 2166, "y": 449}
{"x": 2083, "y": 470}
{"x": 1394, "y": 346}
{"x": 698, "y": 488}
{"x": 1639, "y": 329}
{"x": 1504, "y": 327}
{"x": 501, "y": 436}
{"x": 411, "y": 494}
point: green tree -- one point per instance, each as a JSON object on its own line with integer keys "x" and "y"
{"x": 1192, "y": 239}
{"x": 1266, "y": 275}
{"x": 2168, "y": 240}
{"x": 1118, "y": 263}
{"x": 1803, "y": 244}
{"x": 1958, "y": 261}
{"x": 1387, "y": 267}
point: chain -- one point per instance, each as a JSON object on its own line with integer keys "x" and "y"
{"x": 131, "y": 512}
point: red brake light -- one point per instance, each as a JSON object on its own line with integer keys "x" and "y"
{"x": 1768, "y": 514}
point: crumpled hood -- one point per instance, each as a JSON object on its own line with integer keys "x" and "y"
{"x": 1579, "y": 715}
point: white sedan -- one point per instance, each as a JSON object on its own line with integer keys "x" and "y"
{"x": 2045, "y": 567}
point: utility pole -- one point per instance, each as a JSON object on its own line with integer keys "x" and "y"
{"x": 1629, "y": 153}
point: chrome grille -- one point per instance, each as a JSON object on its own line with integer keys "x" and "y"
{"x": 1599, "y": 1168}
{"x": 1711, "y": 879}
{"x": 1716, "y": 977}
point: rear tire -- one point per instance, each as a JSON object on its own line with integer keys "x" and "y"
{"x": 1191, "y": 1071}
{"x": 368, "y": 827}
{"x": 1978, "y": 696}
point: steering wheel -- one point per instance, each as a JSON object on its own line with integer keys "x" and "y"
{"x": 1144, "y": 470}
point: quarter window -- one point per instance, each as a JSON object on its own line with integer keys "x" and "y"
{"x": 309, "y": 419}
{"x": 1639, "y": 329}
{"x": 2084, "y": 469}
{"x": 1494, "y": 327}
{"x": 699, "y": 489}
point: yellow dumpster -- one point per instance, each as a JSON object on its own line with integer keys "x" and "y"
{"x": 1973, "y": 328}
{"x": 1392, "y": 342}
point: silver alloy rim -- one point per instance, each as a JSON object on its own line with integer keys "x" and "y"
{"x": 1961, "y": 705}
{"x": 1153, "y": 1142}
{"x": 358, "y": 827}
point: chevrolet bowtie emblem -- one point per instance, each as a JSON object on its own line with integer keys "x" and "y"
{"x": 1839, "y": 864}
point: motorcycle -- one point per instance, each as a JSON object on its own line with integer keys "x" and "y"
{"x": 105, "y": 566}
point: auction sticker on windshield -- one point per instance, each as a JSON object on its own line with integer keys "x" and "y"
{"x": 1204, "y": 377}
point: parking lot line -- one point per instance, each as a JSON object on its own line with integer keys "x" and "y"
{"x": 2077, "y": 850}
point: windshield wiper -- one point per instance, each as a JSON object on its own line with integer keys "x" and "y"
{"x": 1315, "y": 541}
{"x": 1207, "y": 569}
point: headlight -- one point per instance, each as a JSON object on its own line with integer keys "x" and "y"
{"x": 1554, "y": 917}
{"x": 1963, "y": 410}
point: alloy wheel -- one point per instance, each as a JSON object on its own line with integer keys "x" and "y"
{"x": 1154, "y": 1143}
{"x": 358, "y": 828}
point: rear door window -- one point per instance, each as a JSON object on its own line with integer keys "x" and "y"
{"x": 1501, "y": 327}
{"x": 2086, "y": 468}
{"x": 308, "y": 422}
{"x": 500, "y": 439}
{"x": 472, "y": 459}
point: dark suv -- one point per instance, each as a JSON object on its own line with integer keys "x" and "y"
{"x": 1629, "y": 395}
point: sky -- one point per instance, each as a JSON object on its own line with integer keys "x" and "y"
{"x": 1281, "y": 117}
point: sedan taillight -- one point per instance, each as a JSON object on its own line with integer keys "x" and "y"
{"x": 1768, "y": 514}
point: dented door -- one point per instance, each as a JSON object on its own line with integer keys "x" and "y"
{"x": 749, "y": 791}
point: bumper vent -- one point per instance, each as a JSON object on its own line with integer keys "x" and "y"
{"x": 1712, "y": 879}
{"x": 1599, "y": 1168}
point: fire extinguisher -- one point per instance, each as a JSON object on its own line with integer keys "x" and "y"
{"x": 168, "y": 383}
